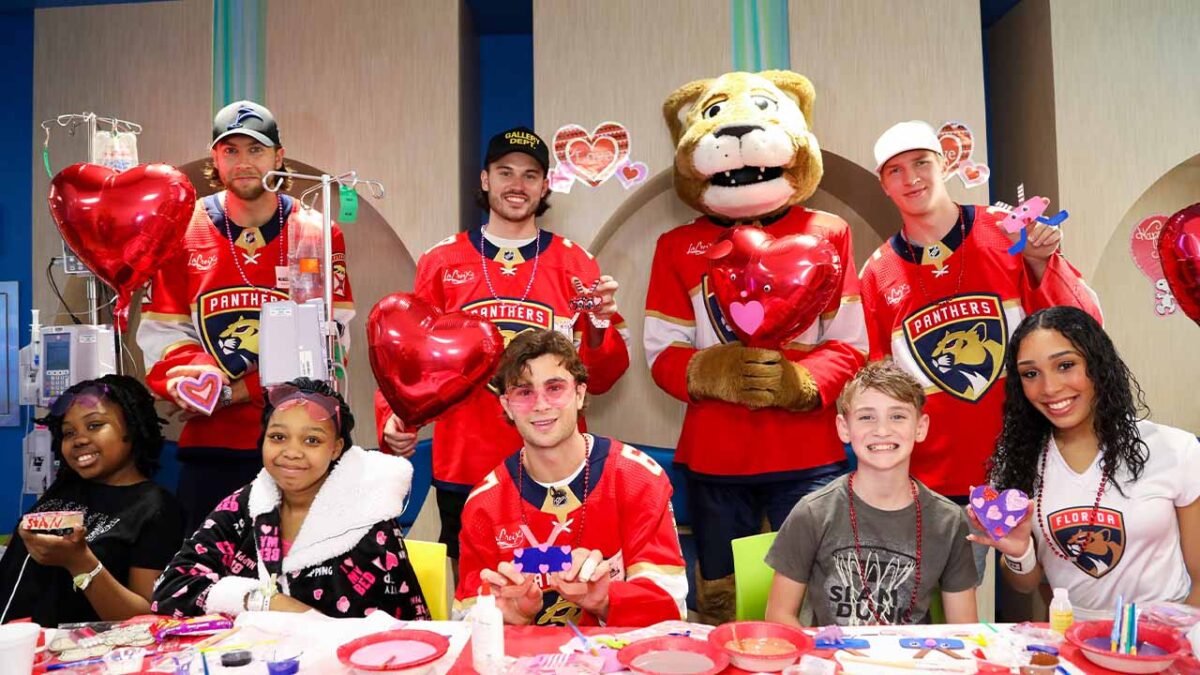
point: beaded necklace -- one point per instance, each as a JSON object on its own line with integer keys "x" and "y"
{"x": 862, "y": 574}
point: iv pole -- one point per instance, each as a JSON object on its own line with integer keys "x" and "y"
{"x": 350, "y": 180}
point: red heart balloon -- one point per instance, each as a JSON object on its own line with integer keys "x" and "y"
{"x": 122, "y": 225}
{"x": 1179, "y": 251}
{"x": 426, "y": 361}
{"x": 770, "y": 289}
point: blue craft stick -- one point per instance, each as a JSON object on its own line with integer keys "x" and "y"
{"x": 1134, "y": 630}
{"x": 1019, "y": 245}
{"x": 1055, "y": 220}
{"x": 1116, "y": 628}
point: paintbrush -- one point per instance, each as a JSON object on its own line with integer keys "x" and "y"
{"x": 587, "y": 644}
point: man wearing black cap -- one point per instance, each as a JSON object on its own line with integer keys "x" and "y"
{"x": 200, "y": 312}
{"x": 520, "y": 277}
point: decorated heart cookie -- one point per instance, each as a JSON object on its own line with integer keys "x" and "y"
{"x": 998, "y": 511}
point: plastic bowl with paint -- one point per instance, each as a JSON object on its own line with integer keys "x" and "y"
{"x": 1158, "y": 646}
{"x": 673, "y": 655}
{"x": 761, "y": 646}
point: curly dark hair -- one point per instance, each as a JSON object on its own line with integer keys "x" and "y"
{"x": 142, "y": 423}
{"x": 530, "y": 345}
{"x": 1120, "y": 404}
{"x": 313, "y": 387}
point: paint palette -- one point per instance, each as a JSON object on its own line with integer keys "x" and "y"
{"x": 392, "y": 650}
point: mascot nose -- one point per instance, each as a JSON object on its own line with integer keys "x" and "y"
{"x": 737, "y": 130}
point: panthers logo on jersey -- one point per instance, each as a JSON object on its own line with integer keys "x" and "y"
{"x": 513, "y": 316}
{"x": 960, "y": 343}
{"x": 716, "y": 316}
{"x": 227, "y": 319}
{"x": 1095, "y": 548}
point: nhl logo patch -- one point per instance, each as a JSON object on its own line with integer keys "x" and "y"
{"x": 1095, "y": 549}
{"x": 960, "y": 343}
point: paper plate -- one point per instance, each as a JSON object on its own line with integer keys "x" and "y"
{"x": 393, "y": 650}
{"x": 673, "y": 655}
{"x": 1166, "y": 645}
{"x": 748, "y": 633}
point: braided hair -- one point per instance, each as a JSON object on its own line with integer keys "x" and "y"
{"x": 143, "y": 426}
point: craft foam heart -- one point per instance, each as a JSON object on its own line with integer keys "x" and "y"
{"x": 426, "y": 361}
{"x": 1179, "y": 252}
{"x": 201, "y": 393}
{"x": 771, "y": 288}
{"x": 1143, "y": 246}
{"x": 122, "y": 225}
{"x": 593, "y": 158}
{"x": 998, "y": 511}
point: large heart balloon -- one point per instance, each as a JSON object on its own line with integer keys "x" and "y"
{"x": 1179, "y": 251}
{"x": 122, "y": 225}
{"x": 426, "y": 361}
{"x": 770, "y": 289}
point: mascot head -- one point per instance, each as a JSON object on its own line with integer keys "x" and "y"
{"x": 743, "y": 148}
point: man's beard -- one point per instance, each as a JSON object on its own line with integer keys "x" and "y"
{"x": 246, "y": 192}
{"x": 510, "y": 211}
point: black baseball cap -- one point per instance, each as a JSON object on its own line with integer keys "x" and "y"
{"x": 249, "y": 119}
{"x": 518, "y": 139}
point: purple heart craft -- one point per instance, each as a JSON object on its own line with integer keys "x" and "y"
{"x": 998, "y": 511}
{"x": 543, "y": 559}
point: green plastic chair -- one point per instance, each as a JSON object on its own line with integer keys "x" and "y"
{"x": 752, "y": 576}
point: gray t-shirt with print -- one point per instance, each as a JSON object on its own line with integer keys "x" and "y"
{"x": 815, "y": 546}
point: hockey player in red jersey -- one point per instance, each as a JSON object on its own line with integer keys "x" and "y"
{"x": 943, "y": 295}
{"x": 520, "y": 277}
{"x": 200, "y": 312}
{"x": 759, "y": 429}
{"x": 599, "y": 509}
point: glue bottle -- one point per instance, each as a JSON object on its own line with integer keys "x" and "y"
{"x": 487, "y": 633}
{"x": 1062, "y": 615}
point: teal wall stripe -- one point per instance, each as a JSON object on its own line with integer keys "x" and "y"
{"x": 239, "y": 51}
{"x": 760, "y": 35}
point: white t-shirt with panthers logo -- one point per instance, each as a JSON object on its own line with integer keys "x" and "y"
{"x": 1135, "y": 549}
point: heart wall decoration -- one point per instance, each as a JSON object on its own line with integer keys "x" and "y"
{"x": 958, "y": 144}
{"x": 593, "y": 158}
{"x": 1143, "y": 247}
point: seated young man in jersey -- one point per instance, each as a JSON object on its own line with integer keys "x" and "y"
{"x": 874, "y": 545}
{"x": 571, "y": 527}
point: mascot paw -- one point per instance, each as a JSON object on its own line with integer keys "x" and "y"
{"x": 798, "y": 390}
{"x": 731, "y": 372}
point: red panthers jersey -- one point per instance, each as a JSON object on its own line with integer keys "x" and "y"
{"x": 945, "y": 313}
{"x": 620, "y": 506}
{"x": 202, "y": 306}
{"x": 683, "y": 316}
{"x": 524, "y": 288}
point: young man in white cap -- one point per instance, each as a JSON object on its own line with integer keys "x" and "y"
{"x": 943, "y": 295}
{"x": 200, "y": 312}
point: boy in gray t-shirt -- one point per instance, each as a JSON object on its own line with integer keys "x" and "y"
{"x": 854, "y": 542}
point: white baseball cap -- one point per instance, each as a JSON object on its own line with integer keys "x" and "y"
{"x": 905, "y": 136}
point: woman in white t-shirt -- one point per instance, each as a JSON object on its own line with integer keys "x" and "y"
{"x": 1114, "y": 498}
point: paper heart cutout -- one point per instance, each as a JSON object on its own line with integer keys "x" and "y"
{"x": 957, "y": 143}
{"x": 593, "y": 157}
{"x": 543, "y": 568}
{"x": 1000, "y": 511}
{"x": 561, "y": 179}
{"x": 1143, "y": 246}
{"x": 974, "y": 175}
{"x": 1179, "y": 252}
{"x": 426, "y": 361}
{"x": 202, "y": 393}
{"x": 791, "y": 279}
{"x": 632, "y": 173}
{"x": 122, "y": 225}
{"x": 317, "y": 593}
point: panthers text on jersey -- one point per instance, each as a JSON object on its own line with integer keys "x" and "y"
{"x": 620, "y": 506}
{"x": 202, "y": 307}
{"x": 945, "y": 316}
{"x": 532, "y": 290}
{"x": 683, "y": 316}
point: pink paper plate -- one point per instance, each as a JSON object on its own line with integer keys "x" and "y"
{"x": 673, "y": 655}
{"x": 393, "y": 650}
{"x": 1167, "y": 643}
